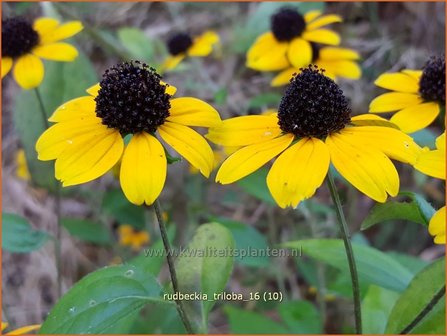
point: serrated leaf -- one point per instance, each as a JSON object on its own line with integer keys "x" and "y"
{"x": 102, "y": 300}
{"x": 200, "y": 270}
{"x": 373, "y": 266}
{"x": 87, "y": 230}
{"x": 19, "y": 237}
{"x": 417, "y": 210}
{"x": 420, "y": 295}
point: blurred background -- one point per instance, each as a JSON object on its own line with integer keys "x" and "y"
{"x": 389, "y": 36}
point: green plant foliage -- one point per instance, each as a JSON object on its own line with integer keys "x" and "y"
{"x": 202, "y": 271}
{"x": 117, "y": 206}
{"x": 19, "y": 237}
{"x": 301, "y": 317}
{"x": 374, "y": 267}
{"x": 102, "y": 300}
{"x": 419, "y": 295}
{"x": 255, "y": 185}
{"x": 87, "y": 230}
{"x": 137, "y": 43}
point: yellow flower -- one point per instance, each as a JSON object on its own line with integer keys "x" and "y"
{"x": 432, "y": 162}
{"x": 134, "y": 239}
{"x": 436, "y": 227}
{"x": 22, "y": 171}
{"x": 290, "y": 38}
{"x": 21, "y": 331}
{"x": 181, "y": 45}
{"x": 312, "y": 129}
{"x": 87, "y": 139}
{"x": 23, "y": 45}
{"x": 417, "y": 97}
{"x": 337, "y": 62}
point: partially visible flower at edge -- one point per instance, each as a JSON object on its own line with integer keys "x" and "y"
{"x": 22, "y": 171}
{"x": 23, "y": 46}
{"x": 436, "y": 227}
{"x": 128, "y": 236}
{"x": 87, "y": 139}
{"x": 20, "y": 331}
{"x": 418, "y": 95}
{"x": 182, "y": 45}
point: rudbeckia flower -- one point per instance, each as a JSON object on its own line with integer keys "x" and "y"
{"x": 436, "y": 227}
{"x": 336, "y": 62}
{"x": 418, "y": 95}
{"x": 20, "y": 331}
{"x": 312, "y": 129}
{"x": 290, "y": 39}
{"x": 182, "y": 45}
{"x": 87, "y": 139}
{"x": 134, "y": 239}
{"x": 24, "y": 44}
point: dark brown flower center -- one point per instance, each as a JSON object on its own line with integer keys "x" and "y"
{"x": 18, "y": 37}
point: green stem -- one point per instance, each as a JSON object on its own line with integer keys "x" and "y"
{"x": 57, "y": 241}
{"x": 172, "y": 272}
{"x": 349, "y": 253}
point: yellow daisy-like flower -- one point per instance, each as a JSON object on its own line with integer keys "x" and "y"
{"x": 182, "y": 45}
{"x": 290, "y": 40}
{"x": 22, "y": 170}
{"x": 436, "y": 227}
{"x": 432, "y": 162}
{"x": 20, "y": 331}
{"x": 337, "y": 62}
{"x": 87, "y": 139}
{"x": 132, "y": 238}
{"x": 417, "y": 97}
{"x": 312, "y": 129}
{"x": 23, "y": 46}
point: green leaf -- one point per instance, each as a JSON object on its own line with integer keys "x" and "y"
{"x": 247, "y": 238}
{"x": 413, "y": 264}
{"x": 137, "y": 43}
{"x": 376, "y": 307}
{"x": 255, "y": 185}
{"x": 248, "y": 322}
{"x": 18, "y": 236}
{"x": 116, "y": 205}
{"x": 63, "y": 81}
{"x": 87, "y": 230}
{"x": 373, "y": 266}
{"x": 102, "y": 300}
{"x": 418, "y": 210}
{"x": 301, "y": 317}
{"x": 200, "y": 270}
{"x": 416, "y": 299}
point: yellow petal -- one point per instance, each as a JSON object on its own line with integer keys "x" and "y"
{"x": 284, "y": 77}
{"x": 55, "y": 139}
{"x": 415, "y": 118}
{"x": 6, "y": 65}
{"x": 193, "y": 112}
{"x": 366, "y": 168}
{"x": 311, "y": 15}
{"x": 24, "y": 330}
{"x": 189, "y": 144}
{"x": 143, "y": 169}
{"x": 323, "y": 21}
{"x": 324, "y": 36}
{"x": 44, "y": 25}
{"x": 61, "y": 32}
{"x": 399, "y": 82}
{"x": 299, "y": 53}
{"x": 203, "y": 45}
{"x": 393, "y": 101}
{"x": 248, "y": 159}
{"x": 416, "y": 74}
{"x": 4, "y": 326}
{"x": 440, "y": 142}
{"x": 86, "y": 160}
{"x": 436, "y": 226}
{"x": 93, "y": 90}
{"x": 298, "y": 172}
{"x": 432, "y": 163}
{"x": 371, "y": 120}
{"x": 245, "y": 130}
{"x": 28, "y": 71}
{"x": 267, "y": 54}
{"x": 172, "y": 61}
{"x": 56, "y": 52}
{"x": 76, "y": 109}
{"x": 171, "y": 90}
{"x": 393, "y": 142}
{"x": 346, "y": 69}
{"x": 335, "y": 54}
